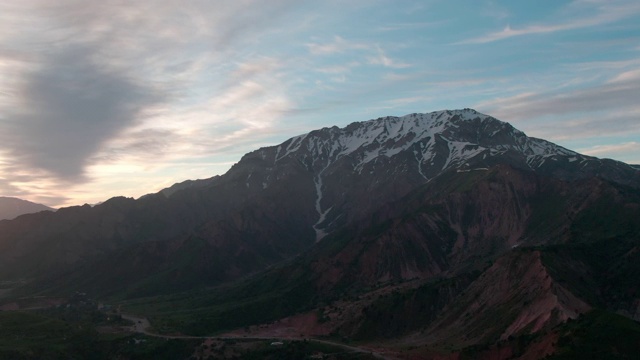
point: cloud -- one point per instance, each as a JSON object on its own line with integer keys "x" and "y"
{"x": 380, "y": 58}
{"x": 106, "y": 94}
{"x": 615, "y": 151}
{"x": 375, "y": 55}
{"x": 616, "y": 148}
{"x": 493, "y": 10}
{"x": 85, "y": 85}
{"x": 622, "y": 91}
{"x": 508, "y": 32}
{"x": 246, "y": 111}
{"x": 593, "y": 114}
{"x": 338, "y": 45}
{"x": 143, "y": 143}
{"x": 603, "y": 12}
{"x": 605, "y": 114}
{"x": 593, "y": 66}
{"x": 588, "y": 125}
{"x": 69, "y": 106}
{"x": 338, "y": 69}
{"x": 408, "y": 100}
{"x": 409, "y": 26}
{"x": 16, "y": 181}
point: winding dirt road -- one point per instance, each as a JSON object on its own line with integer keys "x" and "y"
{"x": 142, "y": 326}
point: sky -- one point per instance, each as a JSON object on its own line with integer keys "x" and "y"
{"x": 107, "y": 98}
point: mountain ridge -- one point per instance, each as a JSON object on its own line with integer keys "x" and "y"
{"x": 11, "y": 207}
{"x": 320, "y": 181}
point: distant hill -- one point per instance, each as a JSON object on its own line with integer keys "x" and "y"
{"x": 10, "y": 207}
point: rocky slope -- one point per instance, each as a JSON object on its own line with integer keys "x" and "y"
{"x": 537, "y": 234}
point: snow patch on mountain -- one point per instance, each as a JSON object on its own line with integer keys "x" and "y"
{"x": 321, "y": 214}
{"x": 460, "y": 151}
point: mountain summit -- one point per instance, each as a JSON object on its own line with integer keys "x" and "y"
{"x": 387, "y": 157}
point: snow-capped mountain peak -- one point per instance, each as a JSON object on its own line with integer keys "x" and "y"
{"x": 466, "y": 134}
{"x": 363, "y": 158}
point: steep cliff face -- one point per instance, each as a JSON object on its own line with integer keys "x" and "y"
{"x": 515, "y": 296}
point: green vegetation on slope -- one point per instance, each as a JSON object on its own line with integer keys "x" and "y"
{"x": 266, "y": 297}
{"x": 604, "y": 273}
{"x": 403, "y": 311}
{"x": 599, "y": 335}
{"x": 28, "y": 335}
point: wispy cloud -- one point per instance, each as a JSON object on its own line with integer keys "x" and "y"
{"x": 32, "y": 184}
{"x": 604, "y": 12}
{"x": 508, "y": 32}
{"x": 493, "y": 10}
{"x": 621, "y": 91}
{"x": 616, "y": 148}
{"x": 409, "y": 25}
{"x": 408, "y": 100}
{"x": 381, "y": 58}
{"x": 596, "y": 114}
{"x": 616, "y": 65}
{"x": 337, "y": 69}
{"x": 615, "y": 151}
{"x": 607, "y": 125}
{"x": 337, "y": 45}
{"x": 374, "y": 54}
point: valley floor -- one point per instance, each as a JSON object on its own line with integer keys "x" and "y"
{"x": 143, "y": 326}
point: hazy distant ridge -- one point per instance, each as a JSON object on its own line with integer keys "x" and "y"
{"x": 10, "y": 207}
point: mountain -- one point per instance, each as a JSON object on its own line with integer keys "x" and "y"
{"x": 277, "y": 201}
{"x": 503, "y": 243}
{"x": 447, "y": 230}
{"x": 349, "y": 164}
{"x": 10, "y": 207}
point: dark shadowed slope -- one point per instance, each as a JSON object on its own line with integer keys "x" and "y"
{"x": 503, "y": 244}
